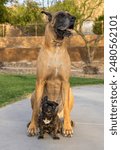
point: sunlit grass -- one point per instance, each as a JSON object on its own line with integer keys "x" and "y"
{"x": 16, "y": 87}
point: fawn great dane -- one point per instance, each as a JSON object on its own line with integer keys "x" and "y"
{"x": 53, "y": 70}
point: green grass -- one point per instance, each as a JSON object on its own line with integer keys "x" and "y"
{"x": 75, "y": 81}
{"x": 16, "y": 87}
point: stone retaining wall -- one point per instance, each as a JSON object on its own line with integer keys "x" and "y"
{"x": 19, "y": 55}
{"x": 77, "y": 53}
{"x": 36, "y": 42}
{"x": 27, "y": 48}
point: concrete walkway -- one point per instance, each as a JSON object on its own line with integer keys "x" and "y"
{"x": 87, "y": 114}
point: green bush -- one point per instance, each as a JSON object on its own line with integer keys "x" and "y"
{"x": 98, "y": 25}
{"x": 24, "y": 14}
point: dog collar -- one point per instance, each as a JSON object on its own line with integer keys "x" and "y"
{"x": 57, "y": 43}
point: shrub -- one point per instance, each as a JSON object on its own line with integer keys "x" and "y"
{"x": 98, "y": 27}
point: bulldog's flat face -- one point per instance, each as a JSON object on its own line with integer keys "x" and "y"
{"x": 62, "y": 22}
{"x": 49, "y": 108}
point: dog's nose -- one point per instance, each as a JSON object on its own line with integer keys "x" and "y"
{"x": 49, "y": 108}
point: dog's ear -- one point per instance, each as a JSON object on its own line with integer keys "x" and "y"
{"x": 46, "y": 98}
{"x": 56, "y": 107}
{"x": 48, "y": 14}
{"x": 55, "y": 104}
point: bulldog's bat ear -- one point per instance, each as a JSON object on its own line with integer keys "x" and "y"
{"x": 48, "y": 14}
{"x": 44, "y": 100}
{"x": 55, "y": 104}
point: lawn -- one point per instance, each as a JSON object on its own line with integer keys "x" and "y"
{"x": 16, "y": 87}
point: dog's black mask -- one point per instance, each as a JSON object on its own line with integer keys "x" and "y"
{"x": 49, "y": 108}
{"x": 63, "y": 22}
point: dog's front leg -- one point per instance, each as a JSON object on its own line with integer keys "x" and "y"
{"x": 41, "y": 132}
{"x": 68, "y": 131}
{"x": 55, "y": 131}
{"x": 32, "y": 129}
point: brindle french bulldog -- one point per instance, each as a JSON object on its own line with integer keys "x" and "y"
{"x": 48, "y": 121}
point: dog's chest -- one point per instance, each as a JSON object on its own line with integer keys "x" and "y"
{"x": 48, "y": 125}
{"x": 57, "y": 61}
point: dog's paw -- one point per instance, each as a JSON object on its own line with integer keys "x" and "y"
{"x": 32, "y": 129}
{"x": 67, "y": 130}
{"x": 40, "y": 137}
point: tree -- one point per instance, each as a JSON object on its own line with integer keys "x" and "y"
{"x": 3, "y": 11}
{"x": 86, "y": 11}
{"x": 27, "y": 13}
{"x": 33, "y": 12}
{"x": 14, "y": 2}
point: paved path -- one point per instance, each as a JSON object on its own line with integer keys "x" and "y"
{"x": 87, "y": 114}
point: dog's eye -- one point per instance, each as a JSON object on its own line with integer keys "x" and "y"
{"x": 61, "y": 16}
{"x": 54, "y": 107}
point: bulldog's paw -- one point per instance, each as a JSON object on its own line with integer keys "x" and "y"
{"x": 32, "y": 129}
{"x": 56, "y": 137}
{"x": 41, "y": 137}
{"x": 67, "y": 130}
